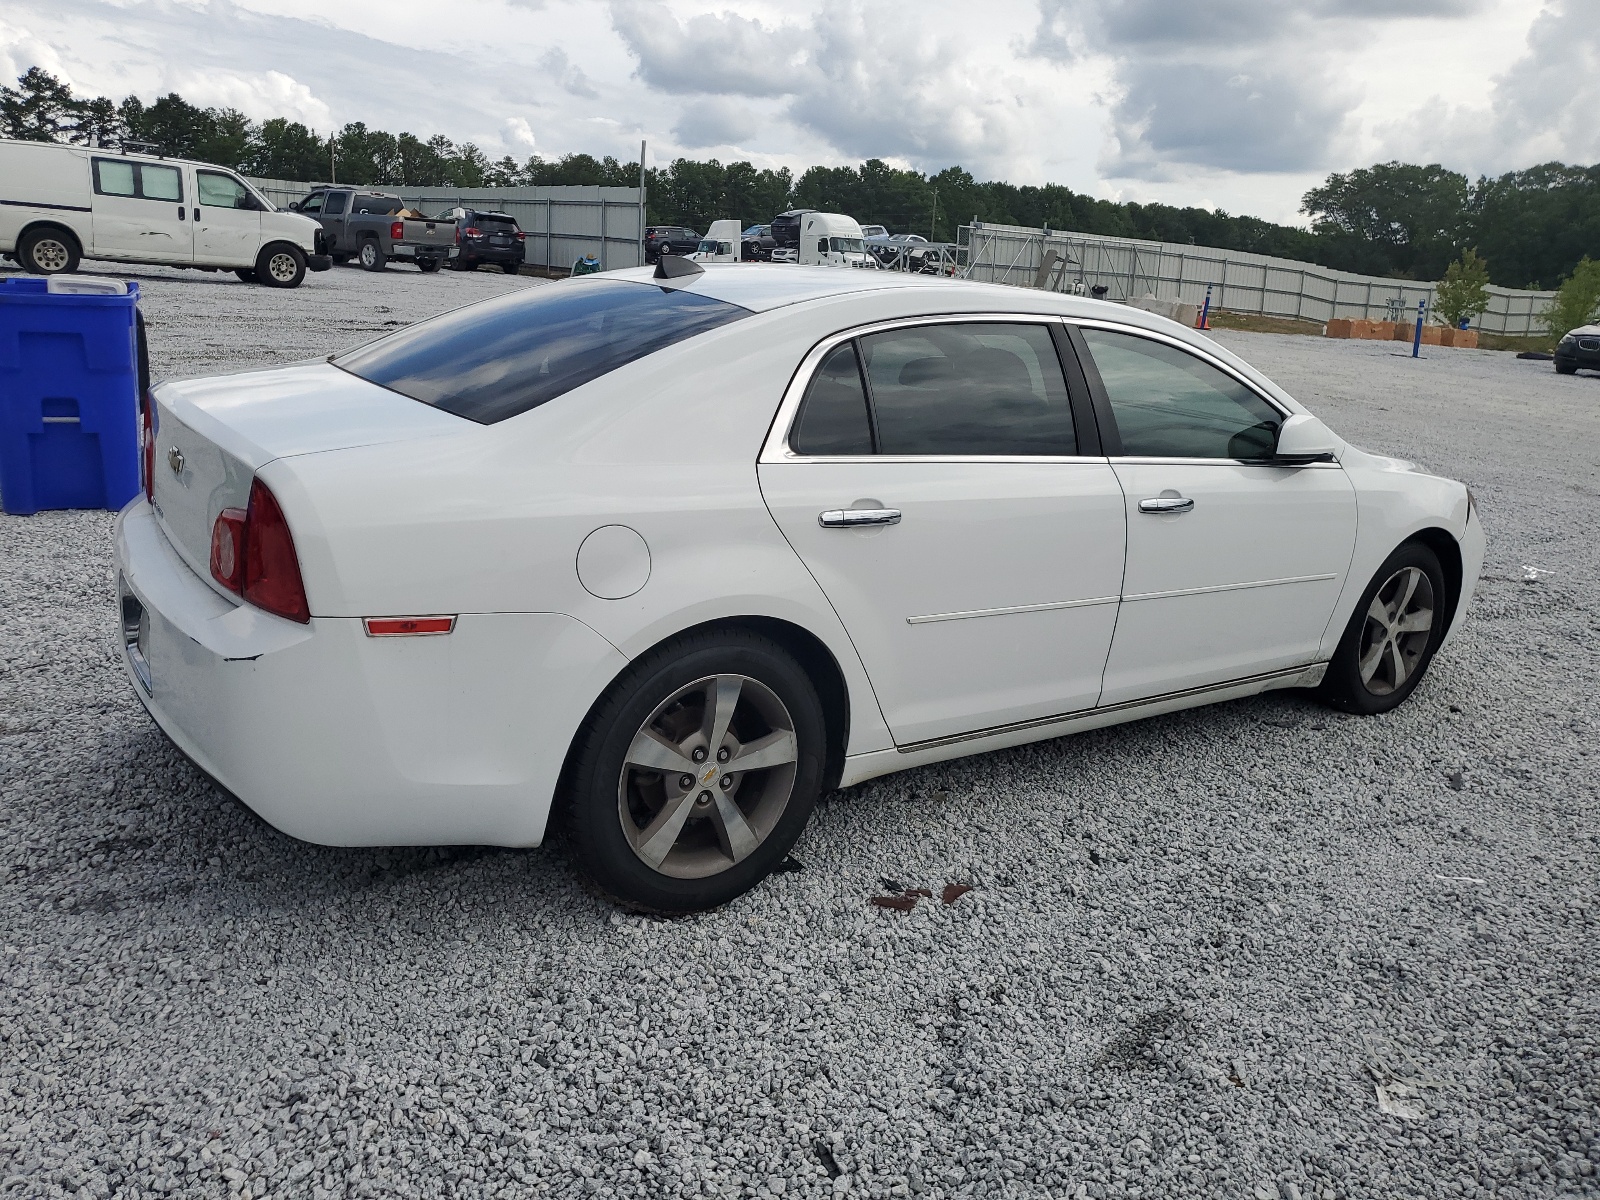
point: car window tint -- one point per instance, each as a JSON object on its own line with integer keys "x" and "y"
{"x": 1170, "y": 404}
{"x": 969, "y": 389}
{"x": 219, "y": 191}
{"x": 113, "y": 178}
{"x": 833, "y": 416}
{"x": 334, "y": 203}
{"x": 498, "y": 224}
{"x": 502, "y": 357}
{"x": 161, "y": 183}
{"x": 312, "y": 204}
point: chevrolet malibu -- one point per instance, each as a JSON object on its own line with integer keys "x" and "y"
{"x": 662, "y": 557}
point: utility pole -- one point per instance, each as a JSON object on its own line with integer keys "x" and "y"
{"x": 641, "y": 201}
{"x": 333, "y": 172}
{"x": 934, "y": 219}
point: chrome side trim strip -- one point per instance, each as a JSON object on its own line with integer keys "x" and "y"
{"x": 1313, "y": 674}
{"x": 1005, "y": 612}
{"x": 1231, "y": 587}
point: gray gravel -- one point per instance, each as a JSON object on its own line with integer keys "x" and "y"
{"x": 1257, "y": 950}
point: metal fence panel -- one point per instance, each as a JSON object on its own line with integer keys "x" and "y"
{"x": 1240, "y": 281}
{"x": 562, "y": 223}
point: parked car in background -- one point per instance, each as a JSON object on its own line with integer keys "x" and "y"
{"x": 388, "y": 598}
{"x": 891, "y": 249}
{"x": 486, "y": 238}
{"x": 367, "y": 226}
{"x": 756, "y": 244}
{"x": 669, "y": 239}
{"x": 786, "y": 234}
{"x": 1579, "y": 348}
{"x": 62, "y": 204}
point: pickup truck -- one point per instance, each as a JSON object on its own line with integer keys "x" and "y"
{"x": 365, "y": 225}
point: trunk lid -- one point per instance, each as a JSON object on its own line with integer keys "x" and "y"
{"x": 213, "y": 435}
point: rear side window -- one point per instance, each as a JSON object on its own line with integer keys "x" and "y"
{"x": 969, "y": 389}
{"x": 145, "y": 181}
{"x": 833, "y": 418}
{"x": 505, "y": 356}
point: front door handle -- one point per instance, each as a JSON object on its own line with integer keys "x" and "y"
{"x": 1166, "y": 504}
{"x": 854, "y": 518}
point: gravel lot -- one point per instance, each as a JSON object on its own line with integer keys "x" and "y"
{"x": 1195, "y": 950}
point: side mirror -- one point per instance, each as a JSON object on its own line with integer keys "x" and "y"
{"x": 1303, "y": 439}
{"x": 294, "y": 206}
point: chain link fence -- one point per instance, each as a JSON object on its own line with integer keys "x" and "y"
{"x": 1240, "y": 282}
{"x": 562, "y": 224}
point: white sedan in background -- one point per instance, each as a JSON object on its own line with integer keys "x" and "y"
{"x": 669, "y": 555}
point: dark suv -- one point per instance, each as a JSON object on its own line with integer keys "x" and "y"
{"x": 487, "y": 237}
{"x": 669, "y": 239}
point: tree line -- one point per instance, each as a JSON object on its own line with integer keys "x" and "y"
{"x": 1400, "y": 220}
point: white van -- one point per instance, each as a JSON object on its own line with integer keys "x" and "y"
{"x": 60, "y": 204}
{"x": 723, "y": 242}
{"x": 832, "y": 240}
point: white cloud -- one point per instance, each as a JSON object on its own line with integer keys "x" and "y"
{"x": 259, "y": 96}
{"x": 519, "y": 133}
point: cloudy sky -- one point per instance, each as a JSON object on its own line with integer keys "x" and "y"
{"x": 1239, "y": 104}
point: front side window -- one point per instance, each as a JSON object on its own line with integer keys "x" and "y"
{"x": 968, "y": 389}
{"x": 1170, "y": 404}
{"x": 145, "y": 181}
{"x": 220, "y": 191}
{"x": 505, "y": 356}
{"x": 333, "y": 204}
{"x": 833, "y": 417}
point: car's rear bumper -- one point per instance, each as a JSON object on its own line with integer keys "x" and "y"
{"x": 343, "y": 739}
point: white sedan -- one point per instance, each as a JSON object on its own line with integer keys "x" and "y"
{"x": 664, "y": 557}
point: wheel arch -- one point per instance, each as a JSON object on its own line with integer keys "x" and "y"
{"x": 1448, "y": 551}
{"x": 807, "y": 649}
{"x": 43, "y": 225}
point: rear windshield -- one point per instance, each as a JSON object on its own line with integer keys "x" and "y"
{"x": 494, "y": 360}
{"x": 494, "y": 221}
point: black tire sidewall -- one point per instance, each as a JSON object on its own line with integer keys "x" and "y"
{"x": 594, "y": 830}
{"x": 379, "y": 260}
{"x": 263, "y": 275}
{"x": 34, "y": 237}
{"x": 1342, "y": 686}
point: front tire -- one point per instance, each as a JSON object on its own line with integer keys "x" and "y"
{"x": 660, "y": 813}
{"x": 281, "y": 266}
{"x": 48, "y": 251}
{"x": 1566, "y": 368}
{"x": 1392, "y": 636}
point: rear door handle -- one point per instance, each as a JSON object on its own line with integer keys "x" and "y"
{"x": 852, "y": 518}
{"x": 1166, "y": 504}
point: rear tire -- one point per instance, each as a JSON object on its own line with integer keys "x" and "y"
{"x": 695, "y": 708}
{"x": 1392, "y": 635}
{"x": 48, "y": 251}
{"x": 427, "y": 265}
{"x": 281, "y": 266}
{"x": 371, "y": 255}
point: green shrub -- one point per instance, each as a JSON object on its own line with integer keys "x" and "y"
{"x": 1577, "y": 299}
{"x": 1463, "y": 293}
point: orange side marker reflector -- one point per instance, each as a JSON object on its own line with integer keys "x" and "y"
{"x": 408, "y": 626}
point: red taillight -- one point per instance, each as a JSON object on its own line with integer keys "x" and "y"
{"x": 472, "y": 231}
{"x": 408, "y": 626}
{"x": 271, "y": 566}
{"x": 521, "y": 236}
{"x": 148, "y": 432}
{"x": 458, "y": 235}
{"x": 397, "y": 231}
{"x": 227, "y": 549}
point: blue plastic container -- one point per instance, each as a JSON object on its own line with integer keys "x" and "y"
{"x": 70, "y": 382}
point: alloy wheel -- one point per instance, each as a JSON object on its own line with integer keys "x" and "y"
{"x": 281, "y": 266}
{"x": 708, "y": 776}
{"x": 51, "y": 255}
{"x": 1398, "y": 625}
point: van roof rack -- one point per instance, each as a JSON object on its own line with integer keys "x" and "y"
{"x": 129, "y": 146}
